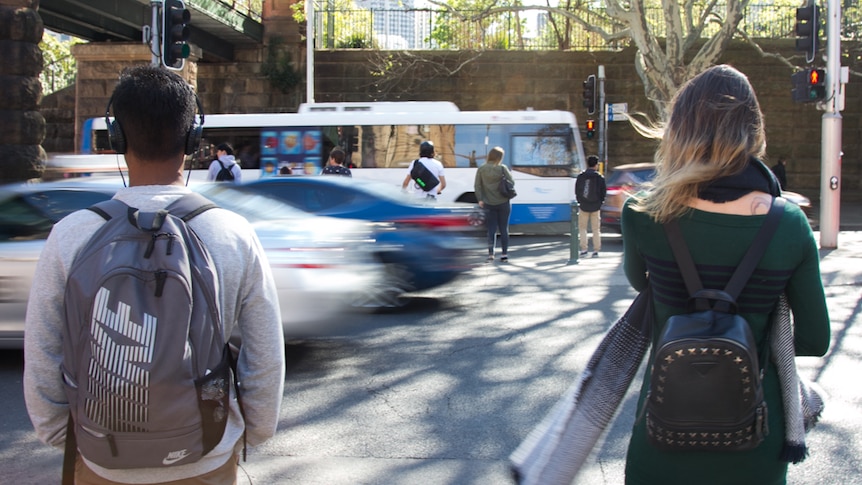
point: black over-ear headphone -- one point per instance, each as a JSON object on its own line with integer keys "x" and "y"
{"x": 118, "y": 139}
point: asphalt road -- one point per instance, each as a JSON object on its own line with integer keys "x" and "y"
{"x": 443, "y": 390}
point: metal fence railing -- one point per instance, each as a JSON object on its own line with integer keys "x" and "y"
{"x": 253, "y": 9}
{"x": 438, "y": 29}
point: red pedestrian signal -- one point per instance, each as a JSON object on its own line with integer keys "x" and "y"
{"x": 591, "y": 129}
{"x": 809, "y": 85}
{"x": 815, "y": 77}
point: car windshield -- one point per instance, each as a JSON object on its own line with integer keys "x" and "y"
{"x": 33, "y": 214}
{"x": 630, "y": 177}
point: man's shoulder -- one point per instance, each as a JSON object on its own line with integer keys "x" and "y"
{"x": 434, "y": 162}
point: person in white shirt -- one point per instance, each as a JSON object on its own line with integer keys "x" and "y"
{"x": 426, "y": 157}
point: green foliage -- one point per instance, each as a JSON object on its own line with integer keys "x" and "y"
{"x": 60, "y": 68}
{"x": 494, "y": 31}
{"x": 355, "y": 41}
{"x": 279, "y": 69}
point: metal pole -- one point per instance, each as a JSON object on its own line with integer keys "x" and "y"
{"x": 831, "y": 125}
{"x": 309, "y": 51}
{"x": 155, "y": 33}
{"x": 603, "y": 116}
{"x": 573, "y": 238}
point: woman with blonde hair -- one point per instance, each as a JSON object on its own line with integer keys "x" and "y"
{"x": 497, "y": 207}
{"x": 711, "y": 180}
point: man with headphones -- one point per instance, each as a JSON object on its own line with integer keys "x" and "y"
{"x": 155, "y": 128}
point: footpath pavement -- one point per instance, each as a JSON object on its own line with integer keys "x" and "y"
{"x": 835, "y": 444}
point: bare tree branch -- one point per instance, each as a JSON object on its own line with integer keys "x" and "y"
{"x": 400, "y": 73}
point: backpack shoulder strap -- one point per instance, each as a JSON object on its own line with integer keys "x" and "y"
{"x": 111, "y": 208}
{"x": 186, "y": 207}
{"x": 222, "y": 165}
{"x": 758, "y": 248}
{"x": 190, "y": 205}
{"x": 745, "y": 267}
{"x": 683, "y": 257}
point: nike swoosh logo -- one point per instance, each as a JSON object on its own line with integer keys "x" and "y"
{"x": 170, "y": 460}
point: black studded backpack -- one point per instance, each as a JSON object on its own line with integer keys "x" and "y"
{"x": 706, "y": 389}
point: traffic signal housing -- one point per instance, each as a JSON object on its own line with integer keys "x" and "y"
{"x": 808, "y": 30}
{"x": 590, "y": 94}
{"x": 591, "y": 129}
{"x": 809, "y": 85}
{"x": 175, "y": 33}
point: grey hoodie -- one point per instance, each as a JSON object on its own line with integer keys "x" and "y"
{"x": 249, "y": 301}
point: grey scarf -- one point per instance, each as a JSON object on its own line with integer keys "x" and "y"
{"x": 803, "y": 402}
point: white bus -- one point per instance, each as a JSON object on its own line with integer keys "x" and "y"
{"x": 543, "y": 148}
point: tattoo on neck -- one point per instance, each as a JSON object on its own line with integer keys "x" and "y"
{"x": 760, "y": 205}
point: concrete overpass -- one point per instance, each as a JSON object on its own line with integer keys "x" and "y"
{"x": 217, "y": 26}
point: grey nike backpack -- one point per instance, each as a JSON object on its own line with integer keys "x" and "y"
{"x": 146, "y": 369}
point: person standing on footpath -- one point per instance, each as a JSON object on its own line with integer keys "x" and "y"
{"x": 426, "y": 158}
{"x": 590, "y": 192}
{"x": 155, "y": 109}
{"x": 710, "y": 179}
{"x": 780, "y": 171}
{"x": 335, "y": 165}
{"x": 497, "y": 207}
{"x": 225, "y": 167}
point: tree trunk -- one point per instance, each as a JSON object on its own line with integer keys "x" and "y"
{"x": 22, "y": 127}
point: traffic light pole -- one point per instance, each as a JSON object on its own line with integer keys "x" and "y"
{"x": 155, "y": 33}
{"x": 603, "y": 120}
{"x": 830, "y": 148}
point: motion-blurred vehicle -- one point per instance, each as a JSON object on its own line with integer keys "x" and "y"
{"x": 624, "y": 180}
{"x": 322, "y": 266}
{"x": 428, "y": 244}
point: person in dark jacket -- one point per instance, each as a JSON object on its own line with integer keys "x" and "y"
{"x": 336, "y": 164}
{"x": 590, "y": 191}
{"x": 780, "y": 171}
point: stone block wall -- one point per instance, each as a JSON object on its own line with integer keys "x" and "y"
{"x": 58, "y": 108}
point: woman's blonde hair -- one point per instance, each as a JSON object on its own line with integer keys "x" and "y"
{"x": 495, "y": 156}
{"x": 715, "y": 127}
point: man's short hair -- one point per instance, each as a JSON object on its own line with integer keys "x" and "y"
{"x": 426, "y": 149}
{"x": 155, "y": 109}
{"x": 337, "y": 154}
{"x": 592, "y": 161}
{"x": 225, "y": 147}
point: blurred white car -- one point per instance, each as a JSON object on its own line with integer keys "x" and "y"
{"x": 323, "y": 267}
